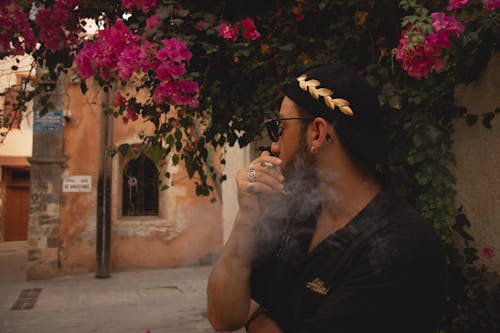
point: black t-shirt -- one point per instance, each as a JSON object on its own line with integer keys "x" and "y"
{"x": 383, "y": 272}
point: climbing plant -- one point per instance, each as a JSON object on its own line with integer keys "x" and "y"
{"x": 222, "y": 63}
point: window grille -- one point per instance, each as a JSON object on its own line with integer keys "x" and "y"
{"x": 140, "y": 187}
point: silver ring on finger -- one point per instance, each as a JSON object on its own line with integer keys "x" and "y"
{"x": 251, "y": 187}
{"x": 252, "y": 173}
{"x": 267, "y": 165}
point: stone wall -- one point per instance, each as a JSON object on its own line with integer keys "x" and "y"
{"x": 187, "y": 231}
{"x": 477, "y": 152}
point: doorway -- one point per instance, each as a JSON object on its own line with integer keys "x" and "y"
{"x": 16, "y": 209}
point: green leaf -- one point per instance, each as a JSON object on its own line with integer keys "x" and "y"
{"x": 155, "y": 154}
{"x": 175, "y": 159}
{"x": 169, "y": 140}
{"x": 395, "y": 102}
{"x": 83, "y": 87}
{"x": 178, "y": 134}
{"x": 124, "y": 149}
{"x": 287, "y": 47}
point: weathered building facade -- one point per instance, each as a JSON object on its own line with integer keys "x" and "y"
{"x": 149, "y": 228}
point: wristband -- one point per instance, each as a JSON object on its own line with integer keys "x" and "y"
{"x": 260, "y": 310}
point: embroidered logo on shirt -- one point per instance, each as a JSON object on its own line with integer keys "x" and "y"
{"x": 318, "y": 286}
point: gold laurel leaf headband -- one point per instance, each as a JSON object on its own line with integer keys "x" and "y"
{"x": 311, "y": 86}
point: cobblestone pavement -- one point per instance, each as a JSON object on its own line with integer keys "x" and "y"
{"x": 166, "y": 301}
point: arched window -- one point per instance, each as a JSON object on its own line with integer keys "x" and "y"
{"x": 140, "y": 187}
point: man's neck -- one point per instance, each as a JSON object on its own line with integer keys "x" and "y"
{"x": 343, "y": 199}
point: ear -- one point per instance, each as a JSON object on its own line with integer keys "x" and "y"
{"x": 319, "y": 130}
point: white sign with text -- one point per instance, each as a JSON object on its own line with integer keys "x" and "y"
{"x": 77, "y": 184}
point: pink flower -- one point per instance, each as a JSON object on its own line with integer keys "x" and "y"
{"x": 119, "y": 100}
{"x": 166, "y": 71}
{"x": 163, "y": 92}
{"x": 177, "y": 93}
{"x": 491, "y": 5}
{"x": 456, "y": 4}
{"x": 189, "y": 87}
{"x": 153, "y": 21}
{"x": 228, "y": 31}
{"x": 143, "y": 5}
{"x": 249, "y": 29}
{"x": 104, "y": 54}
{"x": 200, "y": 25}
{"x": 15, "y": 29}
{"x": 439, "y": 39}
{"x": 420, "y": 59}
{"x": 297, "y": 11}
{"x": 488, "y": 253}
{"x": 132, "y": 114}
{"x": 174, "y": 50}
{"x": 449, "y": 24}
{"x": 129, "y": 62}
{"x": 64, "y": 34}
{"x": 84, "y": 60}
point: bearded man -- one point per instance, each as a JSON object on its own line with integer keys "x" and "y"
{"x": 319, "y": 245}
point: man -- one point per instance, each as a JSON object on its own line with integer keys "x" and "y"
{"x": 318, "y": 245}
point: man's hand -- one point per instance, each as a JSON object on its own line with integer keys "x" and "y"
{"x": 258, "y": 182}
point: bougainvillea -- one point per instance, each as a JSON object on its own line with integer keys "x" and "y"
{"x": 221, "y": 64}
{"x": 231, "y": 31}
{"x": 421, "y": 54}
{"x": 16, "y": 35}
{"x": 491, "y": 5}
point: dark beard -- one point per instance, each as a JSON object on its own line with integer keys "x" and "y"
{"x": 301, "y": 181}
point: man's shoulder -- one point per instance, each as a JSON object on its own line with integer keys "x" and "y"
{"x": 404, "y": 237}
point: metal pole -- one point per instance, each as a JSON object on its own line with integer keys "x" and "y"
{"x": 103, "y": 232}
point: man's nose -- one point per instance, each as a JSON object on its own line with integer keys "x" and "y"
{"x": 275, "y": 148}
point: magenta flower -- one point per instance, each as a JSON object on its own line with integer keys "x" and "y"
{"x": 488, "y": 253}
{"x": 132, "y": 114}
{"x": 491, "y": 5}
{"x": 249, "y": 29}
{"x": 119, "y": 100}
{"x": 167, "y": 71}
{"x": 449, "y": 24}
{"x": 104, "y": 54}
{"x": 228, "y": 31}
{"x": 420, "y": 59}
{"x": 200, "y": 25}
{"x": 15, "y": 29}
{"x": 129, "y": 62}
{"x": 143, "y": 5}
{"x": 177, "y": 93}
{"x": 63, "y": 34}
{"x": 153, "y": 21}
{"x": 456, "y": 4}
{"x": 174, "y": 50}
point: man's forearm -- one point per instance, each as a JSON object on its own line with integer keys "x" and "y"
{"x": 229, "y": 283}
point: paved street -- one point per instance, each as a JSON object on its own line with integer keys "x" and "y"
{"x": 168, "y": 300}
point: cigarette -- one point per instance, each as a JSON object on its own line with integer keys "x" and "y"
{"x": 267, "y": 165}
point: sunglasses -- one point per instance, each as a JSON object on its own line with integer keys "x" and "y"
{"x": 274, "y": 129}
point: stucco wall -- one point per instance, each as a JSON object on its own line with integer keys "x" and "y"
{"x": 477, "y": 152}
{"x": 18, "y": 142}
{"x": 188, "y": 229}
